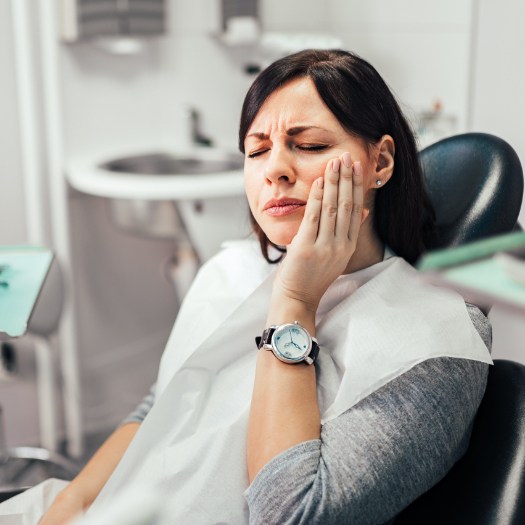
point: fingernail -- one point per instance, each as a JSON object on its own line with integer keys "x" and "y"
{"x": 357, "y": 166}
{"x": 320, "y": 182}
{"x": 347, "y": 159}
{"x": 336, "y": 164}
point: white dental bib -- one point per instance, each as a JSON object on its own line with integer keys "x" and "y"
{"x": 372, "y": 326}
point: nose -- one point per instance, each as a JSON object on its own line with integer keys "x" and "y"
{"x": 279, "y": 166}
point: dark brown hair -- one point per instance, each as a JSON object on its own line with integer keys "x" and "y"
{"x": 364, "y": 105}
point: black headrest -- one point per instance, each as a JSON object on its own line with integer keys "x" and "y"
{"x": 475, "y": 182}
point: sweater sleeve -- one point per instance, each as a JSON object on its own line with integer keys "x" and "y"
{"x": 380, "y": 455}
{"x": 141, "y": 411}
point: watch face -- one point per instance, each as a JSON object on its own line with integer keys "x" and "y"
{"x": 291, "y": 343}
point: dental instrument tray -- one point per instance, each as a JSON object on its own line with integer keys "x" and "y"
{"x": 486, "y": 272}
{"x": 23, "y": 270}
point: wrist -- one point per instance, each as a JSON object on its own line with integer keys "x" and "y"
{"x": 281, "y": 295}
{"x": 286, "y": 310}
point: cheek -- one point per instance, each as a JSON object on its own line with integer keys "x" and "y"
{"x": 369, "y": 184}
{"x": 310, "y": 170}
{"x": 311, "y": 167}
{"x": 369, "y": 177}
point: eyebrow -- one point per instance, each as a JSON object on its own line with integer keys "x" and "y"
{"x": 291, "y": 132}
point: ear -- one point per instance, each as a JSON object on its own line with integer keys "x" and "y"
{"x": 385, "y": 151}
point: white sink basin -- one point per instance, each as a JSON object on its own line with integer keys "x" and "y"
{"x": 142, "y": 189}
{"x": 159, "y": 175}
{"x": 167, "y": 164}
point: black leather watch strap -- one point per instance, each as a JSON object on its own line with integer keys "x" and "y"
{"x": 266, "y": 337}
{"x": 314, "y": 352}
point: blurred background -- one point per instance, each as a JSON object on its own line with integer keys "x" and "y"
{"x": 86, "y": 82}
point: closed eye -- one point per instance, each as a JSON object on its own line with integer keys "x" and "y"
{"x": 312, "y": 147}
{"x": 302, "y": 147}
{"x": 256, "y": 153}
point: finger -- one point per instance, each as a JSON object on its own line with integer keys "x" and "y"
{"x": 345, "y": 198}
{"x": 309, "y": 226}
{"x": 357, "y": 207}
{"x": 329, "y": 205}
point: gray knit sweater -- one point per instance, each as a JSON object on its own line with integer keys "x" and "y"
{"x": 381, "y": 454}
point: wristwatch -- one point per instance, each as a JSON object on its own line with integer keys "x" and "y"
{"x": 290, "y": 343}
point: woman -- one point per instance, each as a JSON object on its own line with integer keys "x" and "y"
{"x": 333, "y": 183}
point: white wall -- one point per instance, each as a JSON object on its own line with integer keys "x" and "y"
{"x": 498, "y": 107}
{"x": 421, "y": 48}
{"x": 12, "y": 204}
{"x": 499, "y": 75}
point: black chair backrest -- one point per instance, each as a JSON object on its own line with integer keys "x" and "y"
{"x": 486, "y": 486}
{"x": 475, "y": 182}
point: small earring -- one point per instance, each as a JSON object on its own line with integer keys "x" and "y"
{"x": 378, "y": 182}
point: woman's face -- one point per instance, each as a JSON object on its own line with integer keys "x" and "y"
{"x": 287, "y": 147}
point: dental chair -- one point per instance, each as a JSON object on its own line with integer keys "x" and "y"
{"x": 25, "y": 466}
{"x": 475, "y": 182}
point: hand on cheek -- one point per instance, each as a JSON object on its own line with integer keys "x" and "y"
{"x": 327, "y": 236}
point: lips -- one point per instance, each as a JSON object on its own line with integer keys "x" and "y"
{"x": 283, "y": 206}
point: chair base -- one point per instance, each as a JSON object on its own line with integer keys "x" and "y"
{"x": 21, "y": 467}
{"x": 9, "y": 492}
